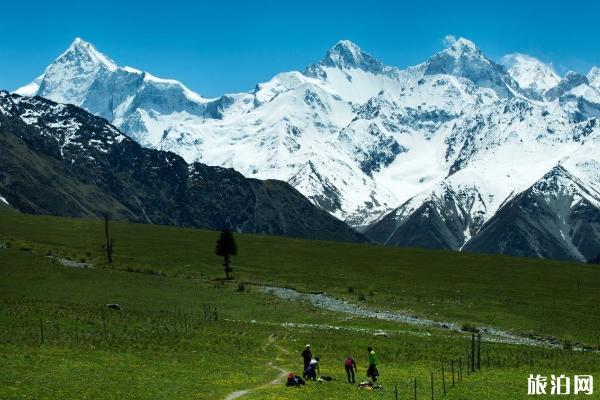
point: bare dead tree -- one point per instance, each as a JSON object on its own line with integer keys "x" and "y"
{"x": 108, "y": 240}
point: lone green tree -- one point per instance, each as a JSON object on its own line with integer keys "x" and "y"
{"x": 226, "y": 248}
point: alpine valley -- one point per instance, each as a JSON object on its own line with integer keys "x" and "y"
{"x": 459, "y": 152}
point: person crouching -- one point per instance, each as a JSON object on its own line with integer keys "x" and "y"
{"x": 312, "y": 370}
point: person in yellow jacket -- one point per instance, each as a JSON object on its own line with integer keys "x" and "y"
{"x": 372, "y": 371}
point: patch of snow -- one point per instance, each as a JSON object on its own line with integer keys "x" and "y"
{"x": 31, "y": 89}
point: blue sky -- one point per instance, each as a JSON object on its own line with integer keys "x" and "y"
{"x": 225, "y": 47}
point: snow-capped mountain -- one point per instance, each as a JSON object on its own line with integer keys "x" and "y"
{"x": 123, "y": 95}
{"x": 530, "y": 73}
{"x": 422, "y": 156}
{"x": 59, "y": 159}
{"x": 557, "y": 217}
{"x": 594, "y": 77}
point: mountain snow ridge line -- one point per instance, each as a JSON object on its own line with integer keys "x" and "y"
{"x": 357, "y": 137}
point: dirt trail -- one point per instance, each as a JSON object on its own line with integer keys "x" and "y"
{"x": 277, "y": 381}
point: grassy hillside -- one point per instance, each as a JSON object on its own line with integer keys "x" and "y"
{"x": 160, "y": 346}
{"x": 546, "y": 297}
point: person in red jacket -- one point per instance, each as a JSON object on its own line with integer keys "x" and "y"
{"x": 350, "y": 367}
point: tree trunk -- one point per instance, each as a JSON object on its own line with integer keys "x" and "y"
{"x": 226, "y": 265}
{"x": 108, "y": 240}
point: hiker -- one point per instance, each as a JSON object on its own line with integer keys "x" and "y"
{"x": 372, "y": 370}
{"x": 306, "y": 356}
{"x": 350, "y": 366}
{"x": 294, "y": 380}
{"x": 312, "y": 370}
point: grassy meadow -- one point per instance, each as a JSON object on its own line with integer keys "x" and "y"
{"x": 159, "y": 344}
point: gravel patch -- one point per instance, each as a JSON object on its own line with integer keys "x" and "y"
{"x": 330, "y": 303}
{"x": 327, "y": 327}
{"x": 71, "y": 263}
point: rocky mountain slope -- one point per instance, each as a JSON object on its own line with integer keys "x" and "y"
{"x": 423, "y": 156}
{"x": 59, "y": 159}
{"x": 557, "y": 217}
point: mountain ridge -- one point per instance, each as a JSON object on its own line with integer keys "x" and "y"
{"x": 361, "y": 139}
{"x": 61, "y": 160}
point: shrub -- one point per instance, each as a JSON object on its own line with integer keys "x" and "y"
{"x": 469, "y": 327}
{"x": 23, "y": 246}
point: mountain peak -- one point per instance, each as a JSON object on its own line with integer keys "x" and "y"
{"x": 85, "y": 52}
{"x": 463, "y": 45}
{"x": 530, "y": 72}
{"x": 347, "y": 47}
{"x": 570, "y": 75}
{"x": 78, "y": 41}
{"x": 461, "y": 51}
{"x": 68, "y": 78}
{"x": 570, "y": 81}
{"x": 594, "y": 77}
{"x": 464, "y": 59}
{"x": 574, "y": 79}
{"x": 347, "y": 55}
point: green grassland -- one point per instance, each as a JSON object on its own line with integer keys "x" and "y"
{"x": 160, "y": 346}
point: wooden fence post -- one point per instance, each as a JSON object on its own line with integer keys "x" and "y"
{"x": 432, "y": 386}
{"x": 415, "y": 389}
{"x": 479, "y": 351}
{"x": 443, "y": 381}
{"x": 42, "y": 330}
{"x": 460, "y": 369}
{"x": 468, "y": 365}
{"x": 452, "y": 367}
{"x": 104, "y": 325}
{"x": 473, "y": 352}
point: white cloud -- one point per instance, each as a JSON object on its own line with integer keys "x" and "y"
{"x": 449, "y": 40}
